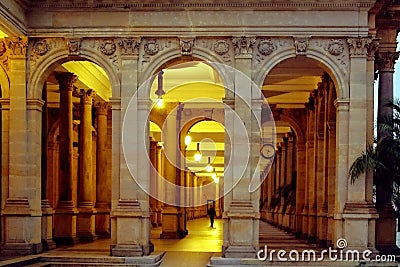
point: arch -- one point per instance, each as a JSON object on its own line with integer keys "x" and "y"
{"x": 59, "y": 56}
{"x": 202, "y": 54}
{"x": 327, "y": 63}
{"x": 296, "y": 128}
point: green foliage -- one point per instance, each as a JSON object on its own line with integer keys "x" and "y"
{"x": 383, "y": 157}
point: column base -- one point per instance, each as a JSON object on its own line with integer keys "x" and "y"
{"x": 48, "y": 244}
{"x": 239, "y": 252}
{"x": 15, "y": 249}
{"x": 386, "y": 231}
{"x": 126, "y": 251}
{"x": 171, "y": 225}
{"x": 65, "y": 224}
{"x": 242, "y": 239}
{"x": 85, "y": 224}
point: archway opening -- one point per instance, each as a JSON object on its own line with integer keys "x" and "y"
{"x": 76, "y": 152}
{"x": 187, "y": 148}
{"x": 299, "y": 192}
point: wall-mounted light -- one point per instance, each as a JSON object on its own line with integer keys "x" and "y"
{"x": 197, "y": 155}
{"x": 215, "y": 177}
{"x": 188, "y": 139}
{"x": 209, "y": 167}
{"x": 160, "y": 90}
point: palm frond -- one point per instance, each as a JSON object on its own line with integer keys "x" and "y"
{"x": 365, "y": 162}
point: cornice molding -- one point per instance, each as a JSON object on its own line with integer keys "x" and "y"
{"x": 196, "y": 4}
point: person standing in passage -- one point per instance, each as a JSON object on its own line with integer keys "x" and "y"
{"x": 212, "y": 214}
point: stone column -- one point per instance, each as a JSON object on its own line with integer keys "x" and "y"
{"x": 86, "y": 217}
{"x": 290, "y": 210}
{"x": 310, "y": 163}
{"x": 171, "y": 226}
{"x": 153, "y": 182}
{"x": 21, "y": 213}
{"x": 160, "y": 188}
{"x": 65, "y": 212}
{"x": 358, "y": 212}
{"x": 320, "y": 163}
{"x": 282, "y": 183}
{"x": 241, "y": 207}
{"x": 103, "y": 181}
{"x": 300, "y": 189}
{"x": 386, "y": 223}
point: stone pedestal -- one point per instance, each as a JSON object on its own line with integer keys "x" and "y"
{"x": 241, "y": 224}
{"x": 19, "y": 220}
{"x": 171, "y": 223}
{"x": 47, "y": 226}
{"x": 65, "y": 221}
{"x": 131, "y": 239}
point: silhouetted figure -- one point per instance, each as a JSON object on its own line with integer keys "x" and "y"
{"x": 211, "y": 212}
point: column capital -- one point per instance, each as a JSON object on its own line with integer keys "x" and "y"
{"x": 87, "y": 96}
{"x": 66, "y": 80}
{"x": 386, "y": 60}
{"x": 102, "y": 107}
{"x": 17, "y": 46}
{"x": 244, "y": 46}
{"x": 359, "y": 46}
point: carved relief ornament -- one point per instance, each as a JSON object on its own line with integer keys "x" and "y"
{"x": 335, "y": 47}
{"x": 151, "y": 47}
{"x": 359, "y": 45}
{"x": 386, "y": 60}
{"x": 17, "y": 46}
{"x": 108, "y": 47}
{"x": 221, "y": 47}
{"x": 74, "y": 46}
{"x": 129, "y": 46}
{"x": 301, "y": 45}
{"x": 266, "y": 47}
{"x": 243, "y": 45}
{"x": 186, "y": 45}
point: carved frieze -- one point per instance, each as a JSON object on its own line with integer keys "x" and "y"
{"x": 335, "y": 47}
{"x": 301, "y": 45}
{"x": 243, "y": 45}
{"x": 108, "y": 47}
{"x": 359, "y": 46}
{"x": 186, "y": 45}
{"x": 129, "y": 46}
{"x": 266, "y": 47}
{"x": 17, "y": 46}
{"x": 151, "y": 47}
{"x": 4, "y": 54}
{"x": 221, "y": 47}
{"x": 74, "y": 46}
{"x": 39, "y": 48}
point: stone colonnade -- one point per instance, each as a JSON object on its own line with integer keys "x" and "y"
{"x": 298, "y": 193}
{"x": 78, "y": 181}
{"x": 333, "y": 208}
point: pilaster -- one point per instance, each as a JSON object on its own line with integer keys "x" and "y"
{"x": 241, "y": 212}
{"x": 22, "y": 208}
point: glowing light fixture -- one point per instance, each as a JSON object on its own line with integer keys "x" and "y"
{"x": 209, "y": 167}
{"x": 215, "y": 177}
{"x": 197, "y": 155}
{"x": 188, "y": 139}
{"x": 160, "y": 91}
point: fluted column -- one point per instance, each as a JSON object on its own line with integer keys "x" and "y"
{"x": 65, "y": 213}
{"x": 103, "y": 181}
{"x": 86, "y": 218}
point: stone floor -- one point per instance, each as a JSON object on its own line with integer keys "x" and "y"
{"x": 196, "y": 249}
